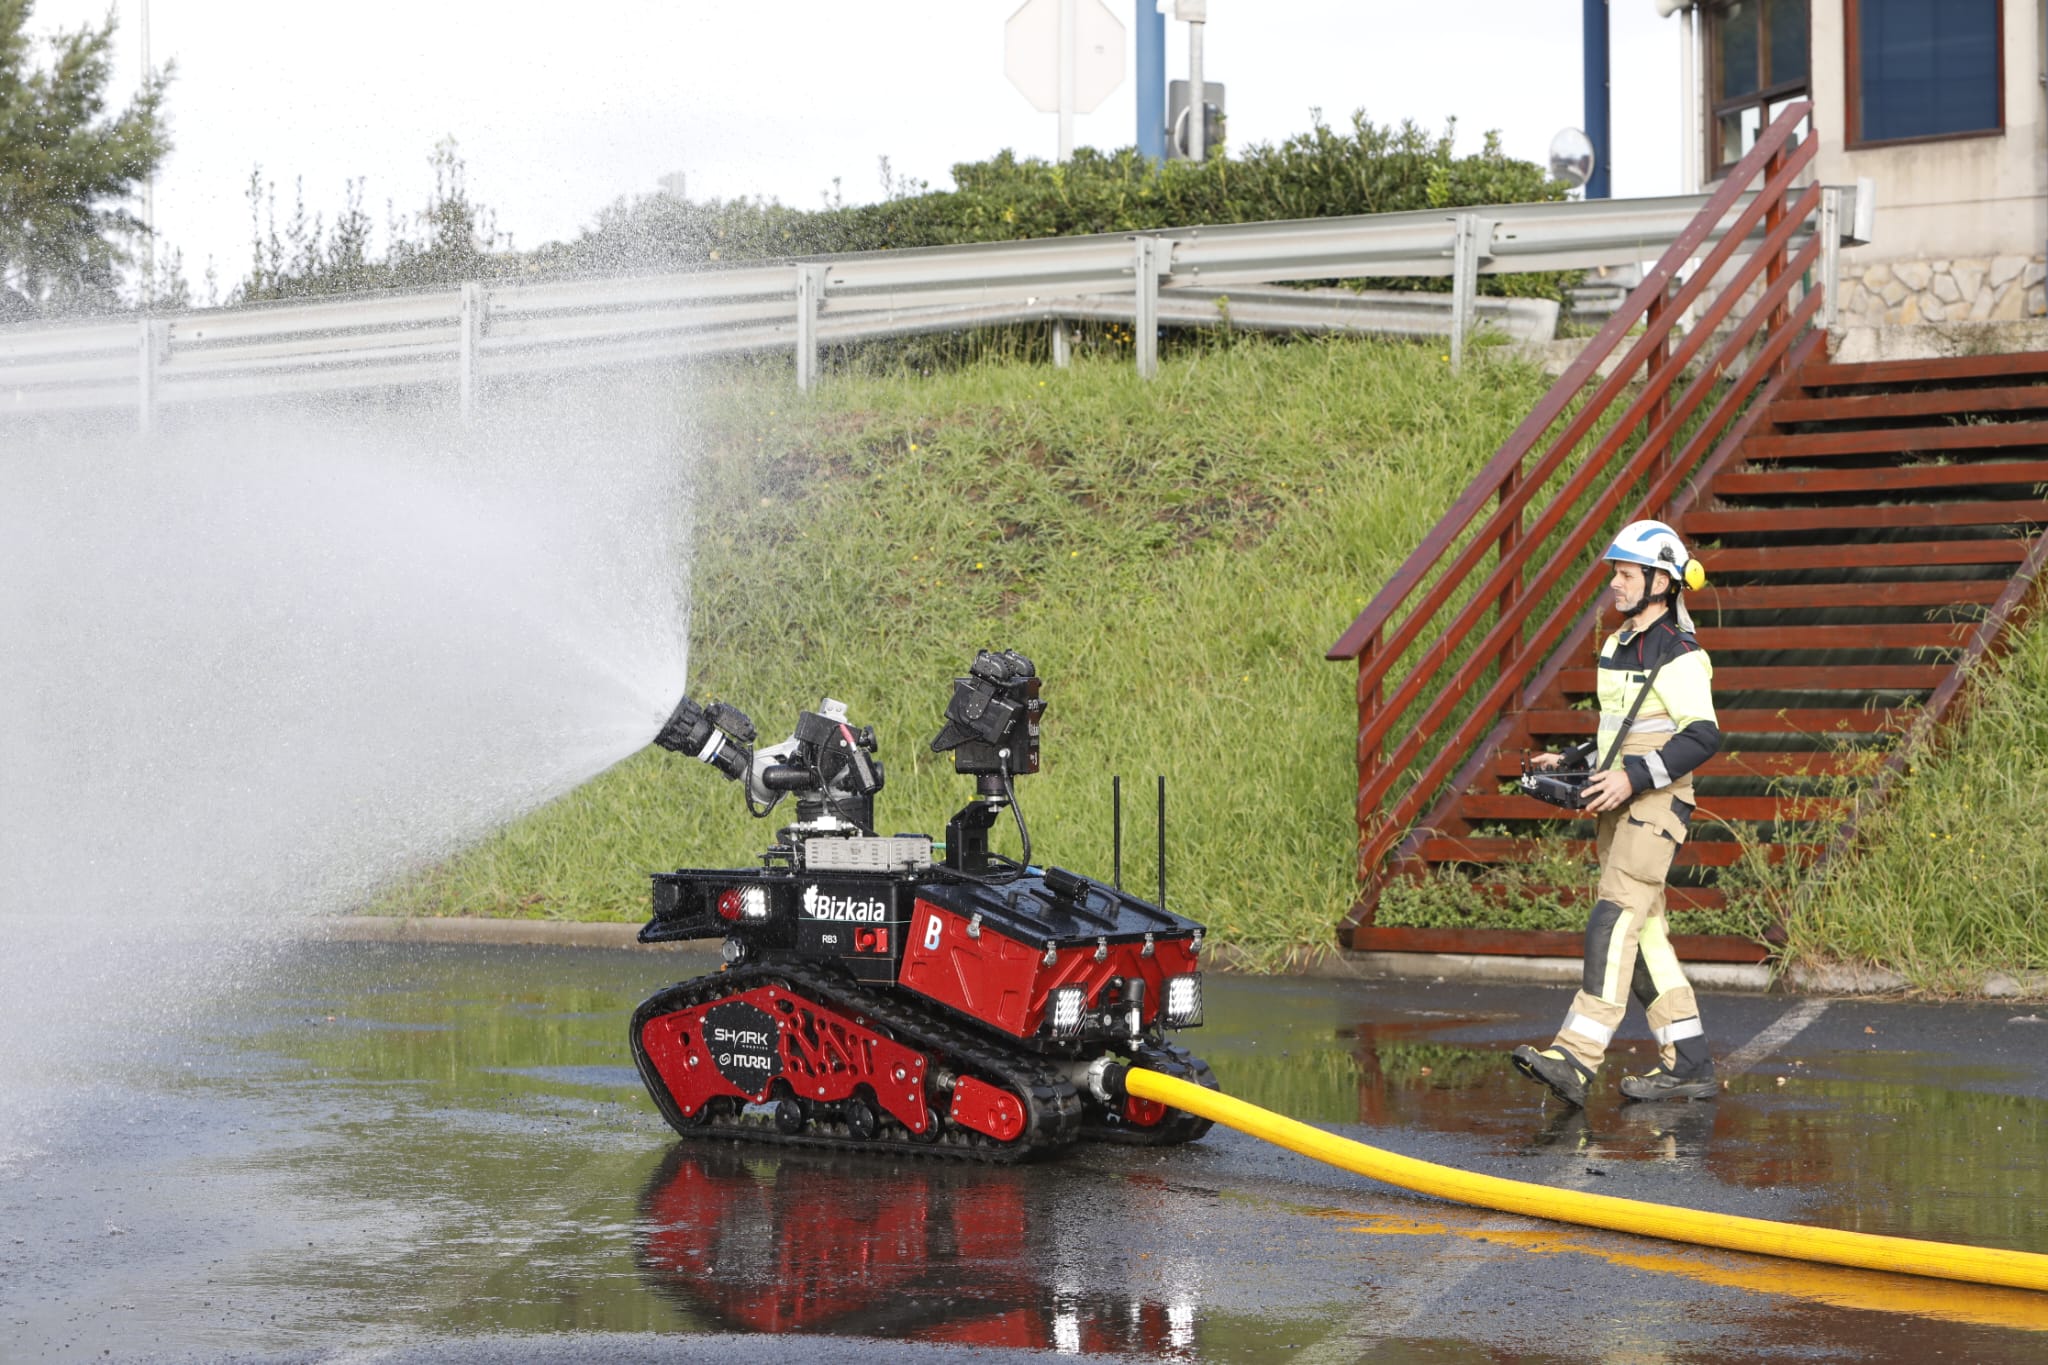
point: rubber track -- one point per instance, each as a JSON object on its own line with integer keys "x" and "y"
{"x": 1052, "y": 1102}
{"x": 1179, "y": 1125}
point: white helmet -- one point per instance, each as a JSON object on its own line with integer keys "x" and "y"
{"x": 1653, "y": 545}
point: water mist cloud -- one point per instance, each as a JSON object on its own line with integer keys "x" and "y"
{"x": 258, "y": 666}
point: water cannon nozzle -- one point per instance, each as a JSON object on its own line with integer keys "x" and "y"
{"x": 717, "y": 734}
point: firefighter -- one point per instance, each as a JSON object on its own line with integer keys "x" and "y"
{"x": 1656, "y": 726}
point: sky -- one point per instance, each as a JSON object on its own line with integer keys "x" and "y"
{"x": 560, "y": 110}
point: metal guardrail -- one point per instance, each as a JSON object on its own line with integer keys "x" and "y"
{"x": 468, "y": 337}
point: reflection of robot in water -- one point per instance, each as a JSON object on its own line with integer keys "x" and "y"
{"x": 814, "y": 1243}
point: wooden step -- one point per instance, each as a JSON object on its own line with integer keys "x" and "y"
{"x": 1676, "y": 897}
{"x": 1692, "y": 853}
{"x": 1788, "y": 721}
{"x": 1742, "y": 763}
{"x": 2001, "y": 512}
{"x": 1886, "y": 478}
{"x": 1870, "y": 555}
{"x": 1803, "y": 678}
{"x": 1939, "y": 592}
{"x": 1478, "y": 807}
{"x": 1882, "y": 407}
{"x": 1818, "y": 445}
{"x": 1719, "y": 640}
{"x": 1929, "y": 371}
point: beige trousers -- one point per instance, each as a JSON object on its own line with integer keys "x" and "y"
{"x": 1628, "y": 939}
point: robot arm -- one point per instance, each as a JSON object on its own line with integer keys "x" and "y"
{"x": 826, "y": 762}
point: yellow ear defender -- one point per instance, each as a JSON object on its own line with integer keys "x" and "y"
{"x": 1695, "y": 575}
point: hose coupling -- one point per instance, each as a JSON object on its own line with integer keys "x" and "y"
{"x": 1106, "y": 1078}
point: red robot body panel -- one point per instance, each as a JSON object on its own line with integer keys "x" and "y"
{"x": 741, "y": 1045}
{"x": 988, "y": 976}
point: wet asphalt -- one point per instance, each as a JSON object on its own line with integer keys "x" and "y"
{"x": 390, "y": 1153}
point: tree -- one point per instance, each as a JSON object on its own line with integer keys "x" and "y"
{"x": 67, "y": 167}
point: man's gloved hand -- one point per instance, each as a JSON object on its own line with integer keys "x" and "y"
{"x": 1607, "y": 791}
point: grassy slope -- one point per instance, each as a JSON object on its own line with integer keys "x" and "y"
{"x": 1175, "y": 556}
{"x": 1949, "y": 882}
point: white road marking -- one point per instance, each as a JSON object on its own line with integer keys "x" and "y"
{"x": 1793, "y": 1023}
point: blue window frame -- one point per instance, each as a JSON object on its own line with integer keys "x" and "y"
{"x": 1925, "y": 69}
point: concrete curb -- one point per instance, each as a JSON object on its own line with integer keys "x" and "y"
{"x": 1334, "y": 965}
{"x": 543, "y": 932}
{"x": 1492, "y": 967}
{"x": 1840, "y": 978}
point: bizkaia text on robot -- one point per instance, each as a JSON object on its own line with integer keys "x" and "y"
{"x": 819, "y": 905}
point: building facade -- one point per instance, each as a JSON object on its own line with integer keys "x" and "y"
{"x": 1942, "y": 104}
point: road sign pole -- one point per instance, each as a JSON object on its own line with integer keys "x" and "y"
{"x": 1195, "y": 14}
{"x": 1066, "y": 57}
{"x": 1151, "y": 30}
{"x": 1066, "y": 80}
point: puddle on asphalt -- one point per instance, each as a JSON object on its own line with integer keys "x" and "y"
{"x": 455, "y": 1142}
{"x": 1474, "y": 1234}
{"x": 1862, "y": 1131}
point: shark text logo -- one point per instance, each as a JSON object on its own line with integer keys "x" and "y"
{"x": 820, "y": 905}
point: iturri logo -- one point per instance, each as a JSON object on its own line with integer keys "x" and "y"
{"x": 819, "y": 904}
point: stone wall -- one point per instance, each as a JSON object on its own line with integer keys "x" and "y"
{"x": 1904, "y": 293}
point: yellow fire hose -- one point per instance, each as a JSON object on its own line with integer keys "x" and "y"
{"x": 1864, "y": 1250}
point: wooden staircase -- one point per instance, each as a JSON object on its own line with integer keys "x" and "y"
{"x": 1868, "y": 531}
{"x": 1866, "y": 543}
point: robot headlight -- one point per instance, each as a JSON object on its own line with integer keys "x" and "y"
{"x": 1068, "y": 1011}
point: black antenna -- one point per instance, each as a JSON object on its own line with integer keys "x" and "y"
{"x": 1116, "y": 827}
{"x": 1162, "y": 841}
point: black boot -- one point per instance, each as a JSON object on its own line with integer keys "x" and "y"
{"x": 1659, "y": 1084}
{"x": 1557, "y": 1069}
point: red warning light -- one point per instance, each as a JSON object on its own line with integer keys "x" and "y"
{"x": 729, "y": 903}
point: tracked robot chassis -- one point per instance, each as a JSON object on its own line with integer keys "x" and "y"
{"x": 876, "y": 998}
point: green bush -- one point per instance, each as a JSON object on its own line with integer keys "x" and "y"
{"x": 1322, "y": 173}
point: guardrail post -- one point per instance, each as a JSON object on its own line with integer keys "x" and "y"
{"x": 1145, "y": 328}
{"x": 1062, "y": 345}
{"x": 150, "y": 346}
{"x": 810, "y": 297}
{"x": 1830, "y": 229}
{"x": 1471, "y": 240}
{"x": 470, "y": 331}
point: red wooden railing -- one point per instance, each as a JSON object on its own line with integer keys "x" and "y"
{"x": 1640, "y": 443}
